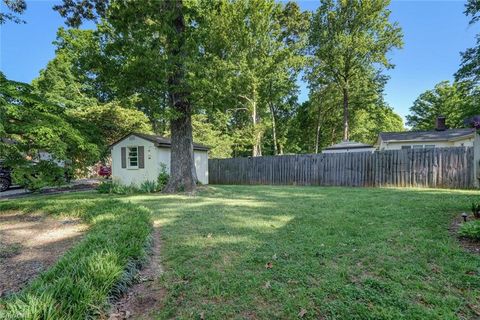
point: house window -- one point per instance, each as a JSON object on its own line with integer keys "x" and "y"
{"x": 406, "y": 147}
{"x": 418, "y": 146}
{"x": 133, "y": 157}
{"x": 429, "y": 146}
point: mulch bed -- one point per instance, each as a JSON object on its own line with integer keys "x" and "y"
{"x": 30, "y": 244}
{"x": 468, "y": 244}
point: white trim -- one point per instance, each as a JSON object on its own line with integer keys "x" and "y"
{"x": 129, "y": 166}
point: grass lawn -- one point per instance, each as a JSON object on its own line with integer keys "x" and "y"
{"x": 261, "y": 252}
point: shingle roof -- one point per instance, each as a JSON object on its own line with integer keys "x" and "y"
{"x": 449, "y": 134}
{"x": 160, "y": 141}
{"x": 348, "y": 145}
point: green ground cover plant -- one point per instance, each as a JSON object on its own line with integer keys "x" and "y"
{"x": 271, "y": 252}
{"x": 98, "y": 268}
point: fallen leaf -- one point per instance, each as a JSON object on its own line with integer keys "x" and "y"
{"x": 209, "y": 235}
{"x": 202, "y": 315}
{"x": 274, "y": 257}
{"x": 267, "y": 285}
{"x": 302, "y": 313}
{"x": 269, "y": 265}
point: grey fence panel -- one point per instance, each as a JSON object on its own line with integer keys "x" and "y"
{"x": 435, "y": 168}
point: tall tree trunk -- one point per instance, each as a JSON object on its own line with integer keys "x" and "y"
{"x": 182, "y": 166}
{"x": 317, "y": 136}
{"x": 274, "y": 130}
{"x": 345, "y": 113}
{"x": 257, "y": 147}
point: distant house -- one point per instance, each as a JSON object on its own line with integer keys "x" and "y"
{"x": 349, "y": 146}
{"x": 138, "y": 157}
{"x": 441, "y": 137}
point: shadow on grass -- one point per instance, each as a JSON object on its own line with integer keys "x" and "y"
{"x": 346, "y": 253}
{"x": 335, "y": 252}
{"x": 102, "y": 265}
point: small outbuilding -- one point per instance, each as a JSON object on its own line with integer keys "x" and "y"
{"x": 138, "y": 157}
{"x": 349, "y": 146}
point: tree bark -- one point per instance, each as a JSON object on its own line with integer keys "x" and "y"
{"x": 317, "y": 136}
{"x": 182, "y": 166}
{"x": 345, "y": 113}
{"x": 274, "y": 130}
{"x": 257, "y": 148}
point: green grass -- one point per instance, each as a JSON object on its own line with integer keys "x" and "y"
{"x": 101, "y": 266}
{"x": 338, "y": 253}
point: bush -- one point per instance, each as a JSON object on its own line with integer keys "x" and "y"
{"x": 149, "y": 187}
{"x": 163, "y": 177}
{"x": 476, "y": 209}
{"x": 39, "y": 175}
{"x": 470, "y": 230}
{"x": 116, "y": 188}
{"x": 145, "y": 187}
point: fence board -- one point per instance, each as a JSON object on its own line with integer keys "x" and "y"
{"x": 439, "y": 167}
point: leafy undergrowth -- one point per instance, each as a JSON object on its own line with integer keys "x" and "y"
{"x": 100, "y": 267}
{"x": 263, "y": 252}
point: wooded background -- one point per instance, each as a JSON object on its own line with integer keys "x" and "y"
{"x": 435, "y": 168}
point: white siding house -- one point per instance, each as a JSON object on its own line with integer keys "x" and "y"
{"x": 426, "y": 139}
{"x": 139, "y": 157}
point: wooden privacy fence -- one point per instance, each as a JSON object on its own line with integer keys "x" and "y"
{"x": 439, "y": 167}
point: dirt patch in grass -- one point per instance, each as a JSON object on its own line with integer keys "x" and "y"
{"x": 29, "y": 244}
{"x": 468, "y": 244}
{"x": 146, "y": 296}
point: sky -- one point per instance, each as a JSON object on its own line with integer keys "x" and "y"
{"x": 435, "y": 32}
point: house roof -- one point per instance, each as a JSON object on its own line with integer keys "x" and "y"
{"x": 160, "y": 141}
{"x": 449, "y": 134}
{"x": 349, "y": 145}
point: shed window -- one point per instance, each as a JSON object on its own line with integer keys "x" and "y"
{"x": 418, "y": 146}
{"x": 429, "y": 146}
{"x": 406, "y": 147}
{"x": 133, "y": 157}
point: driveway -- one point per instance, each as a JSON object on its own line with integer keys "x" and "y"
{"x": 13, "y": 191}
{"x": 77, "y": 185}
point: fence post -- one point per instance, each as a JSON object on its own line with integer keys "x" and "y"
{"x": 476, "y": 160}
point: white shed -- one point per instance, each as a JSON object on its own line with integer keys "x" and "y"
{"x": 139, "y": 157}
{"x": 348, "y": 147}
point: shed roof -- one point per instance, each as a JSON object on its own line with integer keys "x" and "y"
{"x": 349, "y": 145}
{"x": 160, "y": 141}
{"x": 433, "y": 135}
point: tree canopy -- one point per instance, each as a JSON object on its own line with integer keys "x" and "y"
{"x": 349, "y": 41}
{"x": 456, "y": 101}
{"x": 224, "y": 73}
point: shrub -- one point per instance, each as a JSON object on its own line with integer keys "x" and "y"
{"x": 163, "y": 177}
{"x": 149, "y": 187}
{"x": 470, "y": 230}
{"x": 39, "y": 175}
{"x": 105, "y": 187}
{"x": 117, "y": 188}
{"x": 476, "y": 209}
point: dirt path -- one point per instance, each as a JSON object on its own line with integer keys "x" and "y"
{"x": 146, "y": 296}
{"x": 29, "y": 244}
